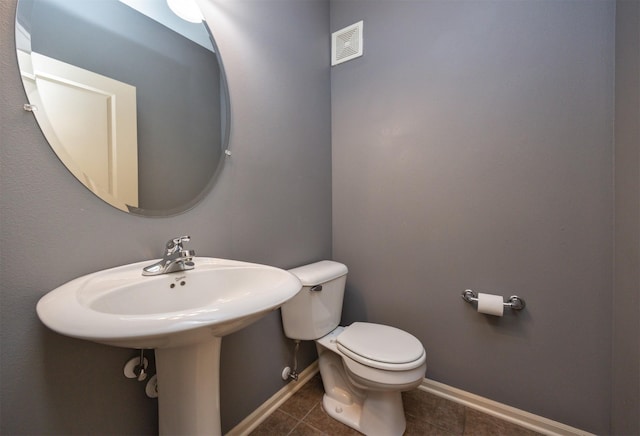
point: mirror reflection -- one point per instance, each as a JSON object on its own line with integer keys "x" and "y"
{"x": 131, "y": 98}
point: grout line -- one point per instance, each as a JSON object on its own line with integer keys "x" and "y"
{"x": 308, "y": 412}
{"x": 316, "y": 404}
{"x": 279, "y": 409}
{"x": 303, "y": 422}
{"x": 316, "y": 428}
{"x": 293, "y": 428}
{"x": 464, "y": 420}
{"x": 300, "y": 420}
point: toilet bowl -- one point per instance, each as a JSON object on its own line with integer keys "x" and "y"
{"x": 364, "y": 366}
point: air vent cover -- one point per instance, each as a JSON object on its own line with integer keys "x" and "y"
{"x": 346, "y": 43}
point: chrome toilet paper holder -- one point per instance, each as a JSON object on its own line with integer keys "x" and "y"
{"x": 514, "y": 302}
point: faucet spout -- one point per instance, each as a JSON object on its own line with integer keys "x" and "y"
{"x": 176, "y": 258}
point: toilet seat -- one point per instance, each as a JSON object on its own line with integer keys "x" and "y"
{"x": 381, "y": 347}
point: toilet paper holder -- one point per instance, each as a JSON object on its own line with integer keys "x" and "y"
{"x": 514, "y": 302}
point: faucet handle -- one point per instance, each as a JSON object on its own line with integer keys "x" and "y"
{"x": 175, "y": 244}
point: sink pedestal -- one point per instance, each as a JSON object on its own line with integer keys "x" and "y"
{"x": 188, "y": 389}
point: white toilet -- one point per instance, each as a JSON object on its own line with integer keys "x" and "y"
{"x": 364, "y": 366}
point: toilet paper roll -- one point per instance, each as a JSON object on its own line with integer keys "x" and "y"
{"x": 490, "y": 304}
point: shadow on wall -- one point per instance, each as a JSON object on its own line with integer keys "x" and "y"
{"x": 69, "y": 370}
{"x": 354, "y": 307}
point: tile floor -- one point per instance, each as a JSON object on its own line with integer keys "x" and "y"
{"x": 426, "y": 414}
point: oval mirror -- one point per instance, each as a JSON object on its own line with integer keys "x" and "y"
{"x": 132, "y": 98}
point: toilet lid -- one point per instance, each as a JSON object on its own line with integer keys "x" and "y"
{"x": 381, "y": 346}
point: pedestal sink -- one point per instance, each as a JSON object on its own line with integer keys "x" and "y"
{"x": 182, "y": 315}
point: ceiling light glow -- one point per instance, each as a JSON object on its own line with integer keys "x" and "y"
{"x": 188, "y": 10}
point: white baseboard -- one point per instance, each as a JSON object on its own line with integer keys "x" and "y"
{"x": 256, "y": 418}
{"x": 501, "y": 411}
{"x": 484, "y": 405}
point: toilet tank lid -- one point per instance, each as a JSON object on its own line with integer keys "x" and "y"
{"x": 319, "y": 272}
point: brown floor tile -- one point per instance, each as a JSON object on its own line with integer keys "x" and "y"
{"x": 480, "y": 424}
{"x": 417, "y": 427}
{"x": 305, "y": 399}
{"x": 303, "y": 429}
{"x": 278, "y": 423}
{"x": 444, "y": 414}
{"x": 426, "y": 414}
{"x": 319, "y": 419}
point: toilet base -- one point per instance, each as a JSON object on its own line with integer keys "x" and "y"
{"x": 374, "y": 412}
{"x": 381, "y": 413}
{"x": 346, "y": 414}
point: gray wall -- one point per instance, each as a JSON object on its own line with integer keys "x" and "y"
{"x": 625, "y": 386}
{"x": 472, "y": 148}
{"x": 272, "y": 204}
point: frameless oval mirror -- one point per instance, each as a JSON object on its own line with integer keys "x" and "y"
{"x": 132, "y": 98}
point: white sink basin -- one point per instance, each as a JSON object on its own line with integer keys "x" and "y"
{"x": 121, "y": 307}
{"x": 183, "y": 315}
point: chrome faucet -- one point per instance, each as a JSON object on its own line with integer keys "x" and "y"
{"x": 175, "y": 258}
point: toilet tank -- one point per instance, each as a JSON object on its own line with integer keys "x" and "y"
{"x": 317, "y": 308}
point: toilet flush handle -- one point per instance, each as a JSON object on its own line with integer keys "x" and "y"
{"x": 316, "y": 288}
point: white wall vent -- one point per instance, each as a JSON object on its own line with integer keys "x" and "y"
{"x": 346, "y": 43}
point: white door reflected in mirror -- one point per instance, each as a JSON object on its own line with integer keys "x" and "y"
{"x": 91, "y": 122}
